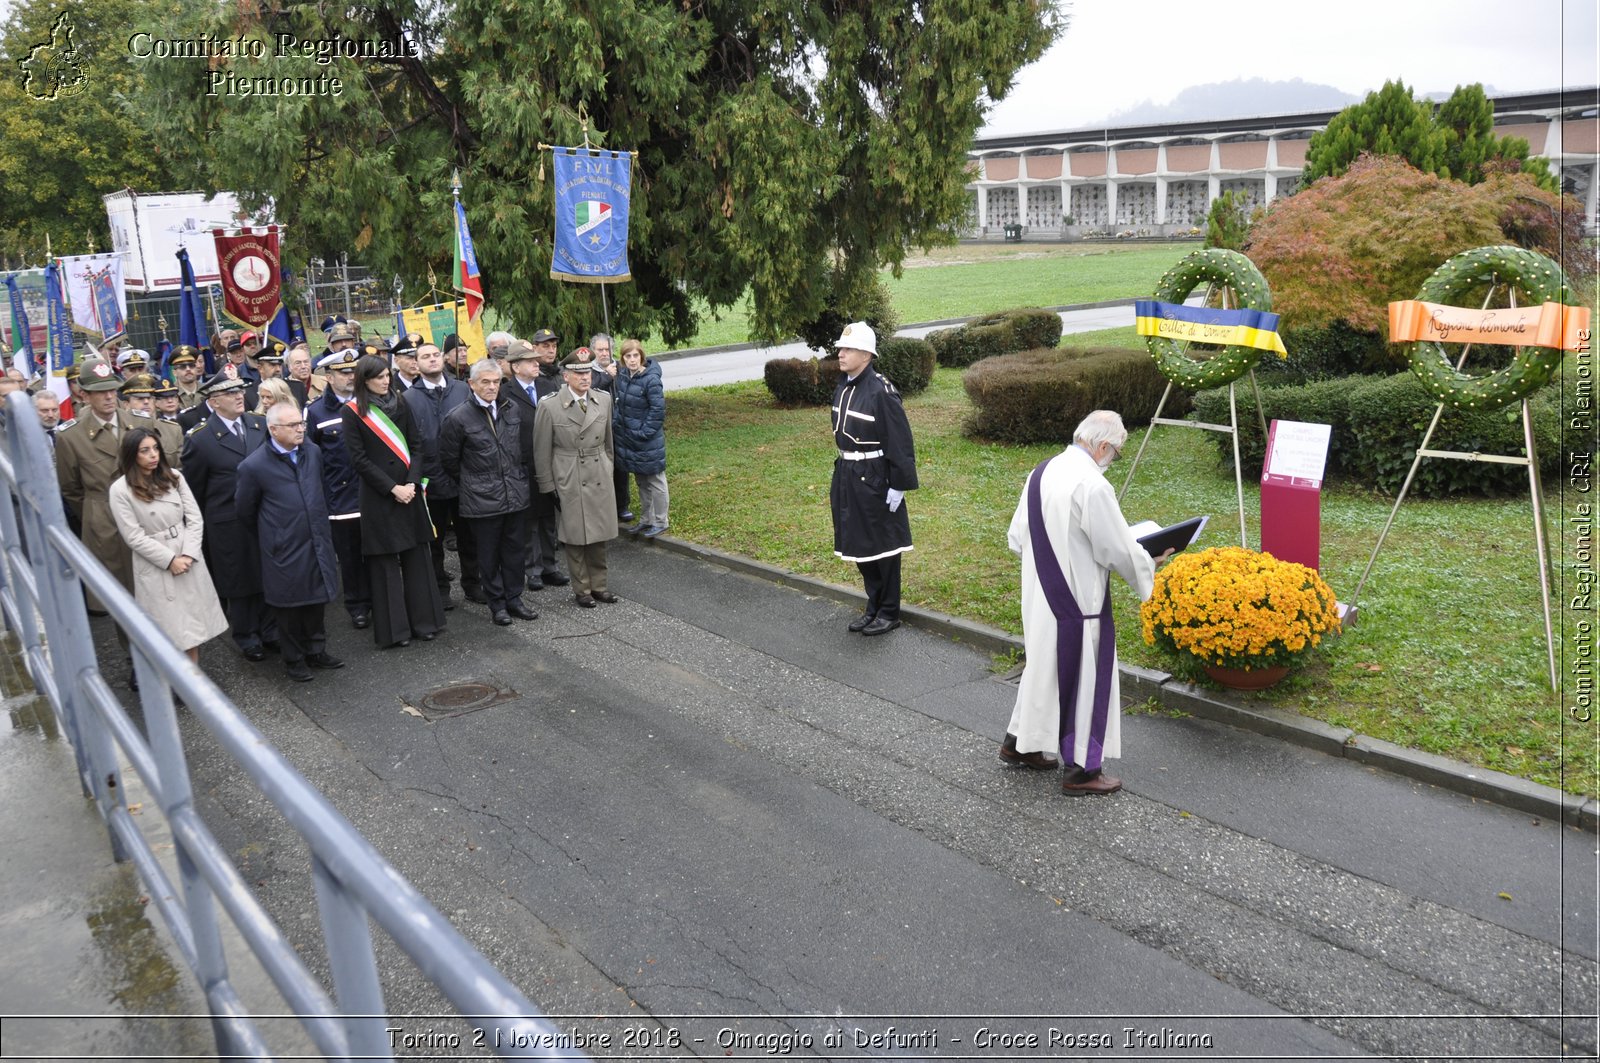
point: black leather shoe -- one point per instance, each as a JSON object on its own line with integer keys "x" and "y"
{"x": 556, "y": 579}
{"x": 607, "y": 597}
{"x": 255, "y": 653}
{"x": 1038, "y": 761}
{"x": 427, "y": 636}
{"x": 475, "y": 596}
{"x": 324, "y": 660}
{"x": 879, "y": 625}
{"x": 361, "y": 621}
{"x": 520, "y": 611}
{"x": 402, "y": 644}
{"x": 861, "y": 621}
{"x": 502, "y": 618}
{"x": 585, "y": 601}
{"x": 534, "y": 584}
{"x": 448, "y": 602}
{"x": 297, "y": 671}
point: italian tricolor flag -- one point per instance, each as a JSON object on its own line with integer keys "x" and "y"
{"x": 588, "y": 213}
{"x": 466, "y": 278}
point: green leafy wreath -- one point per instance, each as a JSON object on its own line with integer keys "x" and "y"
{"x": 1218, "y": 266}
{"x": 1537, "y": 279}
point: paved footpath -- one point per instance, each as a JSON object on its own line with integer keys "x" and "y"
{"x": 712, "y": 814}
{"x": 726, "y": 365}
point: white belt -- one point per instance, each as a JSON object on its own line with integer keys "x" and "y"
{"x": 859, "y": 455}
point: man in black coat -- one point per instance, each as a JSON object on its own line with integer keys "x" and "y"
{"x": 278, "y": 494}
{"x": 212, "y": 452}
{"x": 876, "y": 466}
{"x": 430, "y": 399}
{"x": 528, "y": 386}
{"x": 485, "y": 449}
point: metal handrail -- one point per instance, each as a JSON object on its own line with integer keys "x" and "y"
{"x": 43, "y": 571}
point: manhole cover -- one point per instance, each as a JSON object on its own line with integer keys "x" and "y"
{"x": 457, "y": 699}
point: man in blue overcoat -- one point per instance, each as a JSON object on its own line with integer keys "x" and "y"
{"x": 279, "y": 494}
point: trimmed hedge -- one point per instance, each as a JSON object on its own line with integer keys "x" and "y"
{"x": 1378, "y": 423}
{"x": 909, "y": 363}
{"x": 1024, "y": 329}
{"x": 1040, "y": 396}
{"x": 801, "y": 381}
{"x": 1321, "y": 353}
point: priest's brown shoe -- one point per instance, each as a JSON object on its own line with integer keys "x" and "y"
{"x": 1077, "y": 781}
{"x": 1038, "y": 760}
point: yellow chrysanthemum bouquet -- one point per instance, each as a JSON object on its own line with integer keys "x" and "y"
{"x": 1237, "y": 608}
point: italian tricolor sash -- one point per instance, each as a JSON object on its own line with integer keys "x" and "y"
{"x": 385, "y": 430}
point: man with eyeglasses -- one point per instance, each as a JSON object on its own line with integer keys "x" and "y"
{"x": 1070, "y": 533}
{"x": 279, "y": 495}
{"x": 341, "y": 487}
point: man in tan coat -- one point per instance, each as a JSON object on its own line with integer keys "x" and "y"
{"x": 572, "y": 458}
{"x": 86, "y": 465}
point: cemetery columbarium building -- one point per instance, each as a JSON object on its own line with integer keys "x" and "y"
{"x": 1160, "y": 180}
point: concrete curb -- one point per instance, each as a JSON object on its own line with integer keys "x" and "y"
{"x": 1546, "y": 802}
{"x": 694, "y": 352}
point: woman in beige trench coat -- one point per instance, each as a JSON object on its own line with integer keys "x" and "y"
{"x": 159, "y": 519}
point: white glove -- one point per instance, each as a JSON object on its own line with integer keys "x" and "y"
{"x": 895, "y": 498}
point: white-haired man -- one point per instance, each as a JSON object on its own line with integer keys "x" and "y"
{"x": 1071, "y": 535}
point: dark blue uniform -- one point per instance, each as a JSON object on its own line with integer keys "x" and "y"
{"x": 211, "y": 457}
{"x": 342, "y": 490}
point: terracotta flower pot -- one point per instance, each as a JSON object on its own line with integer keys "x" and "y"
{"x": 1254, "y": 679}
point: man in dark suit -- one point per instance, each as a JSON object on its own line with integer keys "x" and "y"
{"x": 527, "y": 387}
{"x": 279, "y": 496}
{"x": 212, "y": 452}
{"x": 430, "y": 399}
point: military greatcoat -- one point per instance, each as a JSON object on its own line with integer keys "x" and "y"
{"x": 572, "y": 457}
{"x": 86, "y": 466}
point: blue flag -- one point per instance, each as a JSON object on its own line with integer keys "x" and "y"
{"x": 163, "y": 352}
{"x": 592, "y": 190}
{"x": 192, "y": 315}
{"x": 21, "y": 333}
{"x": 58, "y": 325}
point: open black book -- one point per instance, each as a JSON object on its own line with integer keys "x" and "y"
{"x": 1173, "y": 537}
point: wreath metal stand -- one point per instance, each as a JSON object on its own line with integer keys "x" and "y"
{"x": 1531, "y": 460}
{"x": 1232, "y": 428}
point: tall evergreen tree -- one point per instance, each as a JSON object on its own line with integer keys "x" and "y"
{"x": 788, "y": 147}
{"x": 1456, "y": 140}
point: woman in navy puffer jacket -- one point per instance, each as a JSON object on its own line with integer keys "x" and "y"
{"x": 639, "y": 433}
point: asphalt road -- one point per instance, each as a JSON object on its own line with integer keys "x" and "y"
{"x": 711, "y": 821}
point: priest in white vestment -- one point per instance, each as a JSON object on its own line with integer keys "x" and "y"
{"x": 1071, "y": 535}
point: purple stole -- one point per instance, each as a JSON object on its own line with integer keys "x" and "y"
{"x": 1069, "y": 635}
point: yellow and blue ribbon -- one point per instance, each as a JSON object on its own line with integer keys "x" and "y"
{"x": 1199, "y": 324}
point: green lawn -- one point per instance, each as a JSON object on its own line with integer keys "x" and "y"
{"x": 971, "y": 279}
{"x": 1448, "y": 657}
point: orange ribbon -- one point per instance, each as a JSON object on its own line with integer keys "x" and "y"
{"x": 1549, "y": 325}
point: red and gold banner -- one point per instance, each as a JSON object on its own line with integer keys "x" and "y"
{"x": 251, "y": 287}
{"x": 1548, "y": 325}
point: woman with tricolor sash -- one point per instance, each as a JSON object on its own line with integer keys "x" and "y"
{"x": 395, "y": 529}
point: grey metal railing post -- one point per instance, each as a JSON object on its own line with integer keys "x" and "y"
{"x": 65, "y": 615}
{"x": 351, "y": 961}
{"x": 177, "y": 793}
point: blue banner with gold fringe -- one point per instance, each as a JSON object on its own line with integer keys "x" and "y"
{"x": 592, "y": 194}
{"x": 1201, "y": 324}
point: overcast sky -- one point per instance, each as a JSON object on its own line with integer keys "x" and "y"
{"x": 1117, "y": 53}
